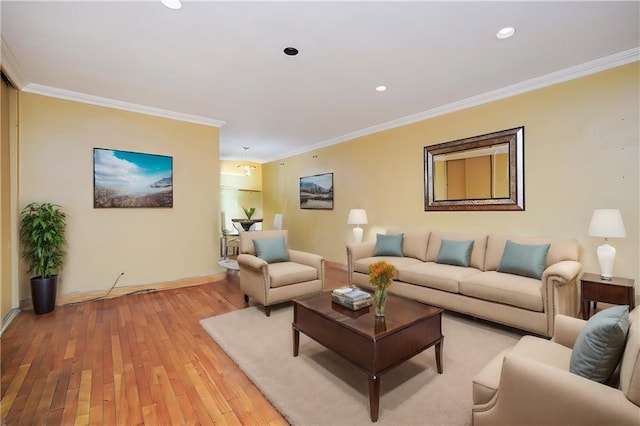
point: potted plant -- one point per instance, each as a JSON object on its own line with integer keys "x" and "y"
{"x": 249, "y": 212}
{"x": 42, "y": 233}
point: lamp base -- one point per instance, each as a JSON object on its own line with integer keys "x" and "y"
{"x": 606, "y": 258}
{"x": 357, "y": 235}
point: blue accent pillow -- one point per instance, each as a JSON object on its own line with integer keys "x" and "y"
{"x": 455, "y": 252}
{"x": 599, "y": 345}
{"x": 271, "y": 250}
{"x": 525, "y": 260}
{"x": 388, "y": 245}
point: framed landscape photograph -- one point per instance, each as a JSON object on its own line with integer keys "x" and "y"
{"x": 124, "y": 179}
{"x": 316, "y": 192}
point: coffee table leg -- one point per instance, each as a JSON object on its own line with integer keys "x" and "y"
{"x": 439, "y": 355}
{"x": 296, "y": 341}
{"x": 374, "y": 397}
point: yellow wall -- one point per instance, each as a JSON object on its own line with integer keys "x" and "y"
{"x": 8, "y": 255}
{"x": 581, "y": 153}
{"x": 57, "y": 138}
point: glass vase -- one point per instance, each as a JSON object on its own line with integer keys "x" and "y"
{"x": 380, "y": 299}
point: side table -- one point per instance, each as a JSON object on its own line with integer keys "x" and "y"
{"x": 619, "y": 291}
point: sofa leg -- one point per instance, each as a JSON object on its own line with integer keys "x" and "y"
{"x": 246, "y": 300}
{"x": 267, "y": 310}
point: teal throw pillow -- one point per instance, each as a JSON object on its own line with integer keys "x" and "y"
{"x": 600, "y": 343}
{"x": 388, "y": 245}
{"x": 271, "y": 250}
{"x": 455, "y": 252}
{"x": 525, "y": 260}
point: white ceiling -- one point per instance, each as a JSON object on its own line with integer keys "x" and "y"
{"x": 215, "y": 62}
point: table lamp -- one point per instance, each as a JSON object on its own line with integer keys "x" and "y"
{"x": 606, "y": 223}
{"x": 357, "y": 217}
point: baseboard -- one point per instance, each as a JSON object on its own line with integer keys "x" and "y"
{"x": 8, "y": 318}
{"x": 85, "y": 296}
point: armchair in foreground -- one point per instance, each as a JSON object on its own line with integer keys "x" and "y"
{"x": 563, "y": 381}
{"x": 272, "y": 273}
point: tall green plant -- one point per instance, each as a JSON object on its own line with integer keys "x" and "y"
{"x": 42, "y": 232}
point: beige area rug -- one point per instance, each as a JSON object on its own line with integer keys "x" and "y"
{"x": 321, "y": 388}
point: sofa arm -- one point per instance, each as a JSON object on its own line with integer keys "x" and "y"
{"x": 560, "y": 285}
{"x": 563, "y": 272}
{"x": 251, "y": 261}
{"x": 533, "y": 393}
{"x": 566, "y": 330}
{"x": 254, "y": 277}
{"x": 356, "y": 252}
{"x": 305, "y": 258}
{"x": 360, "y": 250}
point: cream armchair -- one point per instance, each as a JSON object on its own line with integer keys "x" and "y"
{"x": 530, "y": 384}
{"x": 276, "y": 282}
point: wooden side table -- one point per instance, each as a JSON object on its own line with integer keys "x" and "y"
{"x": 619, "y": 291}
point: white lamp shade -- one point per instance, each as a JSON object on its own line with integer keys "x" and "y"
{"x": 607, "y": 223}
{"x": 357, "y": 217}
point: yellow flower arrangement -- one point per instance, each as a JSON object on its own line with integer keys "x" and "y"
{"x": 381, "y": 277}
{"x": 381, "y": 274}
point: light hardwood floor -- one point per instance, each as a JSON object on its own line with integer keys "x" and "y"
{"x": 131, "y": 360}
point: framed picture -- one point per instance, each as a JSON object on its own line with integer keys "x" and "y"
{"x": 125, "y": 179}
{"x": 316, "y": 192}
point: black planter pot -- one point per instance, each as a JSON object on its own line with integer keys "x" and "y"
{"x": 43, "y": 294}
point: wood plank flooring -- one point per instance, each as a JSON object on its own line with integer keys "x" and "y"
{"x": 132, "y": 360}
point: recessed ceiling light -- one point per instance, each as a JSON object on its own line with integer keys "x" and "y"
{"x": 291, "y": 51}
{"x": 506, "y": 32}
{"x": 381, "y": 89}
{"x": 172, "y": 4}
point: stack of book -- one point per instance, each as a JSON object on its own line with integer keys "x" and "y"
{"x": 351, "y": 297}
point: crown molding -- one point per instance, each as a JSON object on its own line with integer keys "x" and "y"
{"x": 11, "y": 66}
{"x": 572, "y": 73}
{"x": 69, "y": 95}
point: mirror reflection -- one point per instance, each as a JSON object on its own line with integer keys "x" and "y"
{"x": 478, "y": 173}
{"x": 472, "y": 174}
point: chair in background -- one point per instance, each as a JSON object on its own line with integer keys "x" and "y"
{"x": 229, "y": 241}
{"x": 281, "y": 274}
{"x": 277, "y": 221}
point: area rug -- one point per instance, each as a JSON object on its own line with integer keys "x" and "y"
{"x": 318, "y": 387}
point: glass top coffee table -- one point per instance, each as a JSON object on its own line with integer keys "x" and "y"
{"x": 373, "y": 344}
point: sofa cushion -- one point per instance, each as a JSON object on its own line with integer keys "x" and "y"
{"x": 388, "y": 245}
{"x": 561, "y": 249}
{"x": 362, "y": 265}
{"x": 476, "y": 260}
{"x": 524, "y": 259}
{"x": 414, "y": 244}
{"x": 435, "y": 275}
{"x": 271, "y": 250}
{"x": 514, "y": 290}
{"x": 247, "y": 238}
{"x": 600, "y": 343}
{"x": 286, "y": 273}
{"x": 455, "y": 252}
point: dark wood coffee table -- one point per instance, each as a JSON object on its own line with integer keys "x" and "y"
{"x": 375, "y": 345}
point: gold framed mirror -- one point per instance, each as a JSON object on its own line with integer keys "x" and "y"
{"x": 478, "y": 173}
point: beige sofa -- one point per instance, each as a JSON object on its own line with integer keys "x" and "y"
{"x": 479, "y": 290}
{"x": 530, "y": 384}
